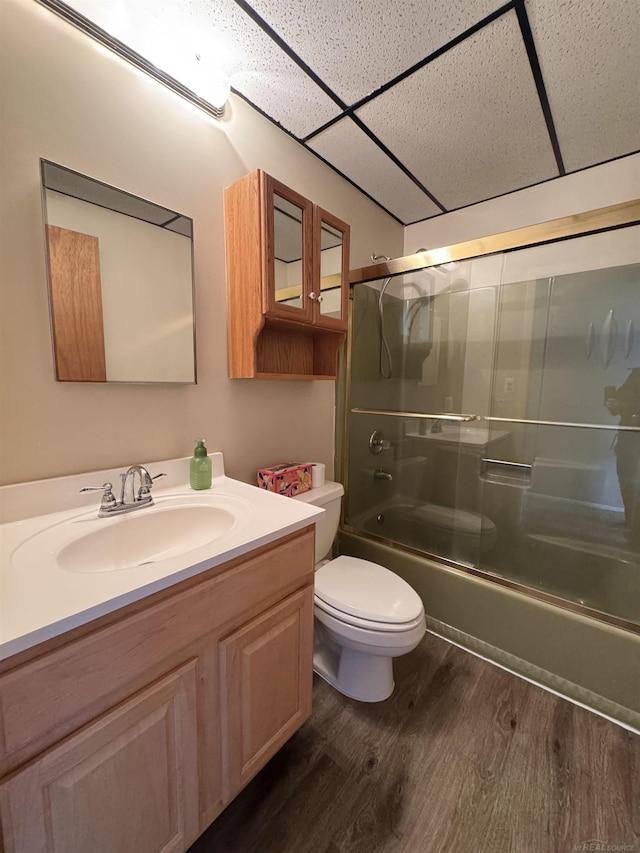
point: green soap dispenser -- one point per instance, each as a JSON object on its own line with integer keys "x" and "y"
{"x": 200, "y": 467}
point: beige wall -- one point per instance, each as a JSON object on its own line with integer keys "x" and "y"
{"x": 68, "y": 100}
{"x": 610, "y": 183}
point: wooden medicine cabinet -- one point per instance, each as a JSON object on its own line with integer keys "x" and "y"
{"x": 287, "y": 282}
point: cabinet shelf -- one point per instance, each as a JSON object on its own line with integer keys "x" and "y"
{"x": 285, "y": 352}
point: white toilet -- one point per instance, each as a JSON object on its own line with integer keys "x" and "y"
{"x": 365, "y": 615}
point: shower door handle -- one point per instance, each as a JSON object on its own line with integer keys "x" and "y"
{"x": 591, "y": 339}
{"x": 609, "y": 332}
{"x": 629, "y": 339}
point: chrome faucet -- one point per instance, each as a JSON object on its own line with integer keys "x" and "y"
{"x": 127, "y": 491}
{"x": 129, "y": 500}
{"x": 381, "y": 474}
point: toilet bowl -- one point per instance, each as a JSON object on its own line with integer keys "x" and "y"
{"x": 365, "y": 615}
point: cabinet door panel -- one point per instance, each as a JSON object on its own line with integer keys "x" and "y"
{"x": 288, "y": 220}
{"x": 266, "y": 674}
{"x": 128, "y": 781}
{"x": 330, "y": 270}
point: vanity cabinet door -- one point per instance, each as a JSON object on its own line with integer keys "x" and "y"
{"x": 126, "y": 782}
{"x": 266, "y": 682}
{"x": 288, "y": 273}
{"x": 330, "y": 290}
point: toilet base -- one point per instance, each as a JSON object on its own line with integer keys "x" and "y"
{"x": 361, "y": 676}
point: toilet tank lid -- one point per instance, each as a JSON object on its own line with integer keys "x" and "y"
{"x": 322, "y": 495}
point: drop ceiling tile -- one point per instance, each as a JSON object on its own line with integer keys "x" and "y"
{"x": 286, "y": 96}
{"x": 170, "y": 32}
{"x": 355, "y": 47}
{"x": 469, "y": 125}
{"x": 589, "y": 53}
{"x": 351, "y": 151}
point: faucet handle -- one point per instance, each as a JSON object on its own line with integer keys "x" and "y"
{"x": 108, "y": 498}
{"x": 105, "y": 487}
{"x": 145, "y": 487}
{"x": 377, "y": 442}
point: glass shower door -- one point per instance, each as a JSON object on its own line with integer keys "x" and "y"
{"x": 495, "y": 418}
{"x": 422, "y": 353}
{"x": 566, "y": 501}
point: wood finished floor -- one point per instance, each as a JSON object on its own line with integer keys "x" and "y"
{"x": 463, "y": 758}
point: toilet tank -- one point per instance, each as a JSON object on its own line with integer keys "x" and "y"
{"x": 329, "y": 498}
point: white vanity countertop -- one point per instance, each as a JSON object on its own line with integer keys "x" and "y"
{"x": 40, "y": 600}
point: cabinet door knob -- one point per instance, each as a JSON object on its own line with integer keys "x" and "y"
{"x": 312, "y": 295}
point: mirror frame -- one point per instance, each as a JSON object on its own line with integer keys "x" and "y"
{"x": 320, "y": 319}
{"x": 69, "y": 337}
{"x": 271, "y": 187}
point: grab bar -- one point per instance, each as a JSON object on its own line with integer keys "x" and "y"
{"x": 511, "y": 464}
{"x": 440, "y": 416}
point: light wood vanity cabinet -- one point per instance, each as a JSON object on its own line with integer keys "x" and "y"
{"x": 287, "y": 282}
{"x": 264, "y": 683}
{"x": 135, "y": 734}
{"x": 128, "y": 781}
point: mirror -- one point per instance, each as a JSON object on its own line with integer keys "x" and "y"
{"x": 120, "y": 273}
{"x": 288, "y": 243}
{"x": 288, "y": 249}
{"x": 331, "y": 243}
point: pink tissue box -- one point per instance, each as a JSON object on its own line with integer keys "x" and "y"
{"x": 288, "y": 479}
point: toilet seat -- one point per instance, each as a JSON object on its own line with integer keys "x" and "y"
{"x": 367, "y": 595}
{"x": 368, "y": 624}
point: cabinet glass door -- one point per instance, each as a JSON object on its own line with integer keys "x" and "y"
{"x": 331, "y": 282}
{"x": 289, "y": 231}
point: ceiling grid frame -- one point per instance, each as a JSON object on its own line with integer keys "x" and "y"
{"x": 449, "y": 16}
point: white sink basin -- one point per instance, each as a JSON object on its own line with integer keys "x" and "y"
{"x": 140, "y": 539}
{"x": 173, "y": 526}
{"x": 61, "y": 566}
